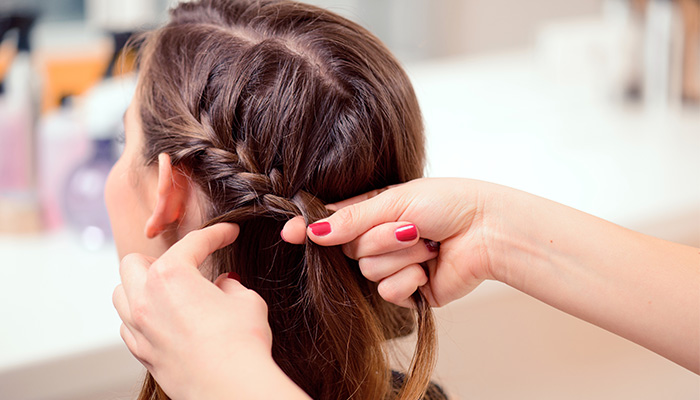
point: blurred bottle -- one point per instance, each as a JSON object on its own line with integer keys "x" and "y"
{"x": 19, "y": 210}
{"x": 101, "y": 109}
{"x": 62, "y": 139}
{"x": 16, "y": 113}
{"x": 84, "y": 195}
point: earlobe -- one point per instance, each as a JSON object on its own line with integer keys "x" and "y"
{"x": 171, "y": 196}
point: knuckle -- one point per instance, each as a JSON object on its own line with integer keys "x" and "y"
{"x": 414, "y": 271}
{"x": 194, "y": 234}
{"x": 161, "y": 272}
{"x": 115, "y": 294}
{"x": 390, "y": 291}
{"x": 129, "y": 260}
{"x": 127, "y": 338}
{"x": 260, "y": 305}
{"x": 255, "y": 301}
{"x": 417, "y": 275}
{"x": 369, "y": 268}
{"x": 198, "y": 238}
{"x": 139, "y": 314}
{"x": 346, "y": 216}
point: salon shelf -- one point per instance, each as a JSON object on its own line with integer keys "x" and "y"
{"x": 498, "y": 118}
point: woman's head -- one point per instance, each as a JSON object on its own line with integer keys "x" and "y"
{"x": 242, "y": 92}
{"x": 269, "y": 109}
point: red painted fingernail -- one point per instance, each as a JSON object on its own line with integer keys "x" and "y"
{"x": 320, "y": 228}
{"x": 235, "y": 276}
{"x": 432, "y": 246}
{"x": 406, "y": 233}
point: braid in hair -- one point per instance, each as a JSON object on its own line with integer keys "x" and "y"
{"x": 275, "y": 109}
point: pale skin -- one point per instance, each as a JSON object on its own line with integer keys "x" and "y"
{"x": 204, "y": 340}
{"x": 642, "y": 288}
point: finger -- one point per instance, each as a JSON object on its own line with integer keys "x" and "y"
{"x": 384, "y": 238}
{"x": 132, "y": 270}
{"x": 140, "y": 351}
{"x": 229, "y": 285}
{"x": 399, "y": 287}
{"x": 294, "y": 231}
{"x": 349, "y": 222}
{"x": 124, "y": 310}
{"x": 244, "y": 295}
{"x": 129, "y": 340}
{"x": 197, "y": 245}
{"x": 376, "y": 268}
{"x": 121, "y": 304}
{"x": 430, "y": 267}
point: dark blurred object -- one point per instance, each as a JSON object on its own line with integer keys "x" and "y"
{"x": 120, "y": 39}
{"x": 23, "y": 22}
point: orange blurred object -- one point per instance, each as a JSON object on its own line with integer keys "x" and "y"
{"x": 75, "y": 73}
{"x": 7, "y": 53}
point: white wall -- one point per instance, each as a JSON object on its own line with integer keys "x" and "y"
{"x": 416, "y": 29}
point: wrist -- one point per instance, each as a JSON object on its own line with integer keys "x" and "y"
{"x": 256, "y": 378}
{"x": 514, "y": 240}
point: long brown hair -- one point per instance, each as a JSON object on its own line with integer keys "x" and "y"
{"x": 277, "y": 108}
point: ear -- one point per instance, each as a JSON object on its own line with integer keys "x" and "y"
{"x": 171, "y": 197}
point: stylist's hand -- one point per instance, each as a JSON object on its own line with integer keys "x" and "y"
{"x": 373, "y": 229}
{"x": 198, "y": 339}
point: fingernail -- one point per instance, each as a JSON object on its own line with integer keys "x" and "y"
{"x": 282, "y": 235}
{"x": 432, "y": 246}
{"x": 235, "y": 276}
{"x": 406, "y": 233}
{"x": 320, "y": 228}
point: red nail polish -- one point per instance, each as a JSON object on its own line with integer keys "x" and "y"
{"x": 432, "y": 245}
{"x": 406, "y": 233}
{"x": 235, "y": 276}
{"x": 320, "y": 228}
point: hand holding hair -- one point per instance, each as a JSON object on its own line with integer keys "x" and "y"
{"x": 167, "y": 306}
{"x": 642, "y": 288}
{"x": 374, "y": 228}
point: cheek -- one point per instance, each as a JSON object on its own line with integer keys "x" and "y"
{"x": 119, "y": 201}
{"x": 112, "y": 191}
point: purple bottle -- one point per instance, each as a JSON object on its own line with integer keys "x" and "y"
{"x": 84, "y": 204}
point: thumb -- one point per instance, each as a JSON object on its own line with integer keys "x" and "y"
{"x": 229, "y": 283}
{"x": 349, "y": 222}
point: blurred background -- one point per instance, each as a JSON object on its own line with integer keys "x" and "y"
{"x": 592, "y": 103}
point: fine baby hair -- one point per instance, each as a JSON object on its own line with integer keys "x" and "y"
{"x": 274, "y": 109}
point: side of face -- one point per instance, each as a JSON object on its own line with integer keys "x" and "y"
{"x": 150, "y": 206}
{"x": 129, "y": 192}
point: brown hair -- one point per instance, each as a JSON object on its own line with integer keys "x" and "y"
{"x": 277, "y": 108}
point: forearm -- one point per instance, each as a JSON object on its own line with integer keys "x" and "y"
{"x": 639, "y": 287}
